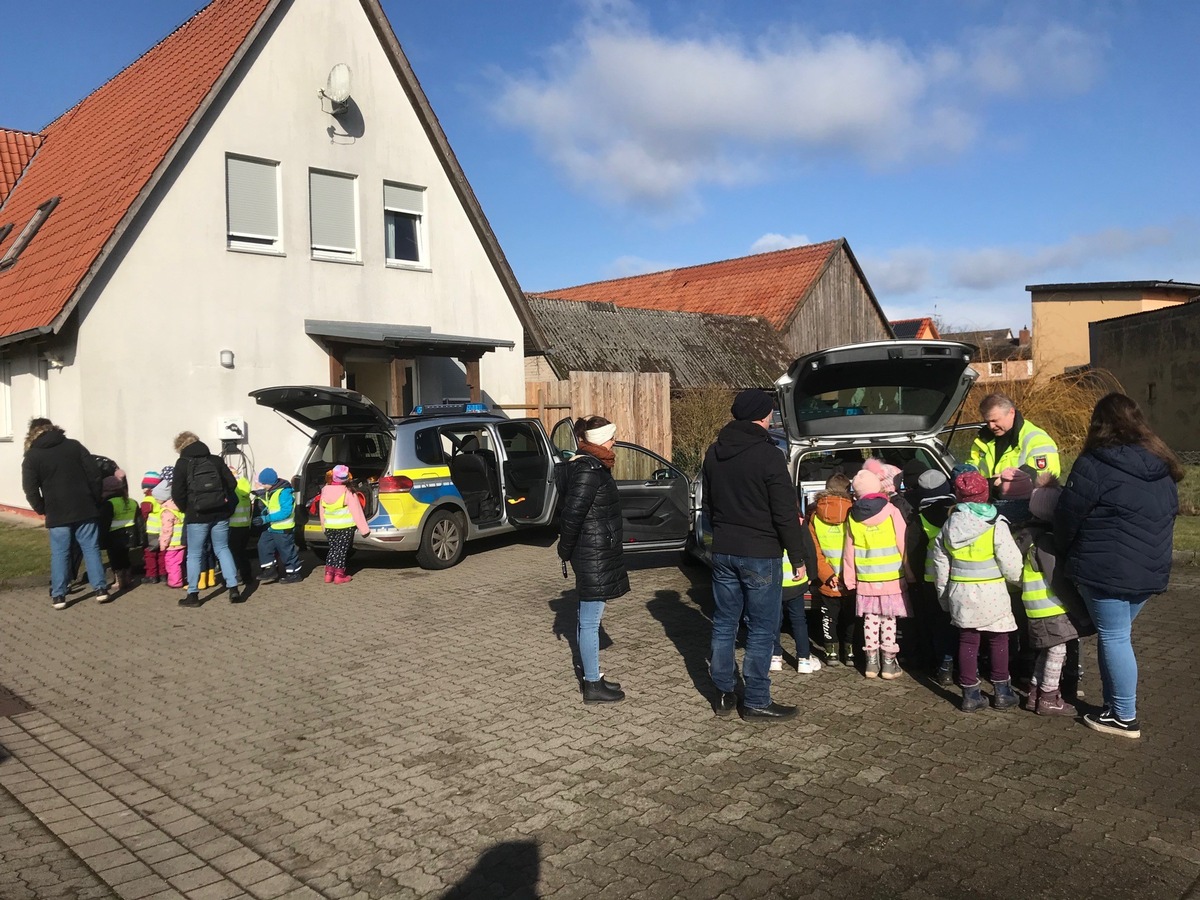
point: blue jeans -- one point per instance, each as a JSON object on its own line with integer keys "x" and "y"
{"x": 87, "y": 535}
{"x": 746, "y": 584}
{"x": 799, "y": 626}
{"x": 1118, "y": 666}
{"x": 271, "y": 542}
{"x": 590, "y": 613}
{"x": 195, "y": 535}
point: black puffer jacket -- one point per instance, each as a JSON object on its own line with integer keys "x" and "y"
{"x": 1115, "y": 521}
{"x": 590, "y": 530}
{"x": 61, "y": 480}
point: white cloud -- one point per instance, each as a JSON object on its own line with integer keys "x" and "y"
{"x": 903, "y": 271}
{"x": 989, "y": 267}
{"x": 772, "y": 241}
{"x": 643, "y": 118}
{"x": 625, "y": 266}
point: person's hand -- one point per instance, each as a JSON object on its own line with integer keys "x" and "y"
{"x": 799, "y": 574}
{"x": 256, "y": 521}
{"x": 366, "y": 533}
{"x": 561, "y": 555}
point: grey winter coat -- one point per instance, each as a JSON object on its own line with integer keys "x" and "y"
{"x": 983, "y": 606}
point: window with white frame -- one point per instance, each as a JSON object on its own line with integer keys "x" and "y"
{"x": 252, "y": 204}
{"x": 404, "y": 225}
{"x": 333, "y": 215}
{"x": 6, "y": 431}
{"x": 996, "y": 369}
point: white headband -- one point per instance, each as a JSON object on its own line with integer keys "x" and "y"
{"x": 601, "y": 434}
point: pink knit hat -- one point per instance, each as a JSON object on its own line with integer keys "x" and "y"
{"x": 866, "y": 482}
{"x": 886, "y": 471}
{"x": 1015, "y": 484}
{"x": 341, "y": 474}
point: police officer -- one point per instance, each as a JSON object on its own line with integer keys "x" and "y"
{"x": 1007, "y": 440}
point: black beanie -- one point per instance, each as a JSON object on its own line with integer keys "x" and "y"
{"x": 751, "y": 405}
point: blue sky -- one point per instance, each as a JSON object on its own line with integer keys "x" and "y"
{"x": 964, "y": 148}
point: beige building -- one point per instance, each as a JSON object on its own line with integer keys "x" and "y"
{"x": 1063, "y": 312}
{"x": 206, "y": 224}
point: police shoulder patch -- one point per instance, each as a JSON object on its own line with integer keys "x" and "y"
{"x": 1041, "y": 462}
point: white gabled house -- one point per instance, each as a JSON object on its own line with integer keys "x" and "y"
{"x": 207, "y": 223}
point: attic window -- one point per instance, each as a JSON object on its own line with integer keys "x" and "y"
{"x": 27, "y": 233}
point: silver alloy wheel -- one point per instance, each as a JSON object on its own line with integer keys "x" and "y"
{"x": 445, "y": 539}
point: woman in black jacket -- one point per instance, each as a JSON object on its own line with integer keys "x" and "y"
{"x": 590, "y": 537}
{"x": 1114, "y": 526}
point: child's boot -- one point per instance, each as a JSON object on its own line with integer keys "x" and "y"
{"x": 973, "y": 698}
{"x": 1005, "y": 697}
{"x": 945, "y": 673}
{"x": 847, "y": 655}
{"x": 830, "y": 652}
{"x": 1031, "y": 701}
{"x": 340, "y": 576}
{"x": 871, "y": 669}
{"x": 202, "y": 583}
{"x": 212, "y": 577}
{"x": 1051, "y": 703}
{"x": 329, "y": 574}
{"x": 890, "y": 668}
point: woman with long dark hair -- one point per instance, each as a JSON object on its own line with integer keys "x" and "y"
{"x": 1114, "y": 526}
{"x": 590, "y": 537}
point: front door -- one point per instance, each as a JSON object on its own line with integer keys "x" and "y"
{"x": 656, "y": 504}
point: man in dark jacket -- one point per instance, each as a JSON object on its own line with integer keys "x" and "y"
{"x": 62, "y": 483}
{"x": 204, "y": 489}
{"x": 750, "y": 502}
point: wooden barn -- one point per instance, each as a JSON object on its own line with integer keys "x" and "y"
{"x": 813, "y": 297}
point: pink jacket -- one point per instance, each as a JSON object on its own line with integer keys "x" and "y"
{"x": 331, "y": 493}
{"x": 169, "y": 524}
{"x": 850, "y": 576}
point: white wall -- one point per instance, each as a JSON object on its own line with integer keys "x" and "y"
{"x": 145, "y": 363}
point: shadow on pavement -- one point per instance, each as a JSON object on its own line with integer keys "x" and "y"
{"x": 566, "y": 627}
{"x": 690, "y": 630}
{"x": 509, "y": 870}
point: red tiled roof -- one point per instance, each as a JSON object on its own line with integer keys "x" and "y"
{"x": 768, "y": 285}
{"x": 99, "y": 155}
{"x": 16, "y": 148}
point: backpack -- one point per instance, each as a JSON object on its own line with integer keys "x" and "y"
{"x": 205, "y": 489}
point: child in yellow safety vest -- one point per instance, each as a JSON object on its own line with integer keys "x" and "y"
{"x": 341, "y": 512}
{"x": 121, "y": 527}
{"x": 152, "y": 557}
{"x": 874, "y": 565}
{"x": 827, "y": 525}
{"x": 1053, "y": 608}
{"x": 170, "y": 539}
{"x": 239, "y": 530}
{"x": 973, "y": 556}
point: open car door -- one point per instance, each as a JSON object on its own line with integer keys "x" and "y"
{"x": 656, "y": 500}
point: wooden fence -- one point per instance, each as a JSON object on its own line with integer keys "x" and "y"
{"x": 639, "y": 404}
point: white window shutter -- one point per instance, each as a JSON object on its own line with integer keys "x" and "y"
{"x": 251, "y": 189}
{"x": 331, "y": 204}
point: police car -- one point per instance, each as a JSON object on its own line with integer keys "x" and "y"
{"x": 448, "y": 474}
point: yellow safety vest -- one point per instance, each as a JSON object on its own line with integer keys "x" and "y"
{"x": 877, "y": 554}
{"x": 1039, "y": 601}
{"x": 177, "y": 531}
{"x": 975, "y": 563}
{"x": 931, "y": 533}
{"x": 274, "y": 506}
{"x": 154, "y": 520}
{"x": 339, "y": 516}
{"x": 124, "y": 512}
{"x": 831, "y": 538}
{"x": 1032, "y": 444}
{"x": 242, "y": 514}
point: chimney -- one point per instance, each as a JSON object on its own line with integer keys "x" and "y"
{"x": 1023, "y": 337}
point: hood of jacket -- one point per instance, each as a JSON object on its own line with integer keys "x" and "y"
{"x": 937, "y": 513}
{"x": 1134, "y": 460}
{"x": 737, "y": 437}
{"x": 870, "y": 510}
{"x": 832, "y": 508}
{"x": 195, "y": 450}
{"x": 51, "y": 437}
{"x": 964, "y": 525}
{"x": 331, "y": 492}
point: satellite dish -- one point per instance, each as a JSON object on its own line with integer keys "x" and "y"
{"x": 337, "y": 90}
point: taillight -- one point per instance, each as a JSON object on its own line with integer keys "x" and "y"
{"x": 395, "y": 484}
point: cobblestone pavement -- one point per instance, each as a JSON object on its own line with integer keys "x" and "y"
{"x": 419, "y": 734}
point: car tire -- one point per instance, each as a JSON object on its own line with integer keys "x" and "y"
{"x": 442, "y": 541}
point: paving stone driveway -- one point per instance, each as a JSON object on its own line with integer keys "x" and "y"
{"x": 418, "y": 734}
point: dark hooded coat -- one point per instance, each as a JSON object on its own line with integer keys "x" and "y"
{"x": 60, "y": 479}
{"x": 590, "y": 530}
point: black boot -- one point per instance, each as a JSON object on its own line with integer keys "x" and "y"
{"x": 600, "y": 692}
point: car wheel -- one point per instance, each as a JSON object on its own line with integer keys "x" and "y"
{"x": 442, "y": 541}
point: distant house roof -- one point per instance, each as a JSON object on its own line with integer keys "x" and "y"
{"x": 104, "y": 156}
{"x": 995, "y": 345}
{"x": 912, "y": 329}
{"x": 1090, "y": 286}
{"x": 16, "y": 149}
{"x": 696, "y": 348}
{"x": 770, "y": 286}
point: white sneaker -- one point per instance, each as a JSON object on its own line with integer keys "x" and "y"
{"x": 776, "y": 663}
{"x": 808, "y": 666}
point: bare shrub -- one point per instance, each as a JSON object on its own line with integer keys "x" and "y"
{"x": 697, "y": 414}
